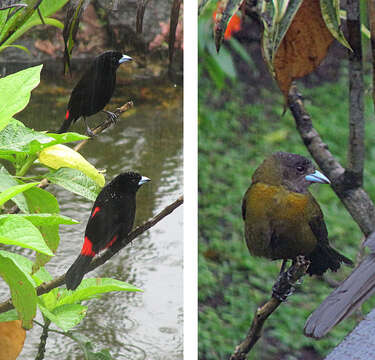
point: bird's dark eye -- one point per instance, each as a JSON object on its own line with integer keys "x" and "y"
{"x": 300, "y": 168}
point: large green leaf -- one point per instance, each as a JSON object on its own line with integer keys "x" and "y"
{"x": 22, "y": 290}
{"x": 44, "y": 219}
{"x": 15, "y": 92}
{"x": 65, "y": 317}
{"x": 14, "y": 190}
{"x": 90, "y": 288}
{"x": 331, "y": 16}
{"x": 17, "y": 138}
{"x": 21, "y": 232}
{"x": 7, "y": 181}
{"x": 41, "y": 201}
{"x": 76, "y": 182}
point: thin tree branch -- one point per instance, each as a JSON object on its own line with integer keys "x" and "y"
{"x": 353, "y": 196}
{"x": 371, "y": 18}
{"x": 280, "y": 291}
{"x": 356, "y": 149}
{"x": 99, "y": 260}
{"x": 98, "y": 130}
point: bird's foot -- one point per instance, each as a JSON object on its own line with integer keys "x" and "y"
{"x": 89, "y": 132}
{"x": 111, "y": 116}
{"x": 282, "y": 287}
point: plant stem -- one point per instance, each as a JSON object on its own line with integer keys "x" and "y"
{"x": 43, "y": 340}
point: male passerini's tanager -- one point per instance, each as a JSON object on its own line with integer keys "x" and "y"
{"x": 282, "y": 219}
{"x": 111, "y": 219}
{"x": 94, "y": 90}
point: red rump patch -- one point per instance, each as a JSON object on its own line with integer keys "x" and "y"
{"x": 96, "y": 210}
{"x": 87, "y": 248}
{"x": 67, "y": 115}
{"x": 111, "y": 242}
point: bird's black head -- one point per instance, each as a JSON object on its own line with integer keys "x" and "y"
{"x": 293, "y": 171}
{"x": 111, "y": 59}
{"x": 128, "y": 182}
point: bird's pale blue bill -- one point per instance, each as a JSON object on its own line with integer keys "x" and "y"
{"x": 143, "y": 180}
{"x": 317, "y": 177}
{"x": 125, "y": 58}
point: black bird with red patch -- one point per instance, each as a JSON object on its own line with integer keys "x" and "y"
{"x": 94, "y": 90}
{"x": 111, "y": 219}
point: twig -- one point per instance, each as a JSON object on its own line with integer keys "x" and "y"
{"x": 353, "y": 196}
{"x": 98, "y": 130}
{"x": 356, "y": 148}
{"x": 280, "y": 291}
{"x": 46, "y": 287}
{"x": 106, "y": 124}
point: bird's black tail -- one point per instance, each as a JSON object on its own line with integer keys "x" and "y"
{"x": 323, "y": 258}
{"x": 77, "y": 271}
{"x": 64, "y": 127}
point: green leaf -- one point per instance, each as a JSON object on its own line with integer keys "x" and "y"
{"x": 10, "y": 315}
{"x": 276, "y": 21}
{"x": 44, "y": 219}
{"x": 6, "y": 181}
{"x": 59, "y": 156}
{"x": 14, "y": 190}
{"x": 65, "y": 317}
{"x": 22, "y": 290}
{"x": 76, "y": 182}
{"x": 15, "y": 92}
{"x": 67, "y": 137}
{"x": 331, "y": 16}
{"x": 90, "y": 288}
{"x": 47, "y": 8}
{"x": 24, "y": 48}
{"x": 42, "y": 201}
{"x": 17, "y": 138}
{"x": 22, "y": 262}
{"x": 21, "y": 232}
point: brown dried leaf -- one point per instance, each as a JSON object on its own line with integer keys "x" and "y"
{"x": 304, "y": 46}
{"x": 12, "y": 337}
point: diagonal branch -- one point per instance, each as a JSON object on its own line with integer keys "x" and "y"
{"x": 100, "y": 260}
{"x": 344, "y": 183}
{"x": 282, "y": 288}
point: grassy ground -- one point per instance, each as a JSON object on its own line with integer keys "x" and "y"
{"x": 234, "y": 137}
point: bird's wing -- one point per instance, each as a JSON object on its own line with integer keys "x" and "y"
{"x": 316, "y": 222}
{"x": 244, "y": 204}
{"x": 104, "y": 224}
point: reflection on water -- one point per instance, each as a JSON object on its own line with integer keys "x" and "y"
{"x": 147, "y": 139}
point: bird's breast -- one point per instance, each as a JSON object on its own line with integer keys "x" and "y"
{"x": 277, "y": 222}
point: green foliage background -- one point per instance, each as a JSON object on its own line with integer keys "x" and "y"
{"x": 235, "y": 135}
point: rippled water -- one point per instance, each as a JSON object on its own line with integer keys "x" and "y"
{"x": 147, "y": 139}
